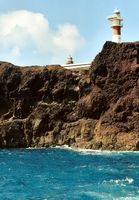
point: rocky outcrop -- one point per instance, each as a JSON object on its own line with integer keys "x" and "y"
{"x": 44, "y": 106}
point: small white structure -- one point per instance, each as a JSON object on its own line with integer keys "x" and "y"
{"x": 69, "y": 60}
{"x": 116, "y": 22}
{"x": 78, "y": 66}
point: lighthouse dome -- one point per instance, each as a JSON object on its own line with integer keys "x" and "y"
{"x": 116, "y": 11}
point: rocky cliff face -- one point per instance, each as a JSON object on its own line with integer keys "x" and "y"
{"x": 49, "y": 105}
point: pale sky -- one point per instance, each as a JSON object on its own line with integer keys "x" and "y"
{"x": 41, "y": 32}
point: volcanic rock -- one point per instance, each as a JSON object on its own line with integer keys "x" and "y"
{"x": 44, "y": 106}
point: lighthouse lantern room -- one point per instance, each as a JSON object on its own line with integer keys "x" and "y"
{"x": 116, "y": 24}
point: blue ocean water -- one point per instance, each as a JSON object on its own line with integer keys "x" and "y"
{"x": 61, "y": 174}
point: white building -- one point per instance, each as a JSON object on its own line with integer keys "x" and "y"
{"x": 78, "y": 66}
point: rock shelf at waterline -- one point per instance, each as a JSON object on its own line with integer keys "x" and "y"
{"x": 45, "y": 106}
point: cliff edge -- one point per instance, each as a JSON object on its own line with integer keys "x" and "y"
{"x": 49, "y": 105}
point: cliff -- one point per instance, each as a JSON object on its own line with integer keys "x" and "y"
{"x": 49, "y": 105}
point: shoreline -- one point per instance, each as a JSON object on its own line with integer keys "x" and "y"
{"x": 80, "y": 150}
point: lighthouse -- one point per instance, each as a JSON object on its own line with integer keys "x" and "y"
{"x": 69, "y": 60}
{"x": 116, "y": 25}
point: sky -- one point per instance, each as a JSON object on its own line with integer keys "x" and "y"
{"x": 42, "y": 32}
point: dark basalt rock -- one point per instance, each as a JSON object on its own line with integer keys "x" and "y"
{"x": 49, "y": 105}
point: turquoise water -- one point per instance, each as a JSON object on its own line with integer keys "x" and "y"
{"x": 60, "y": 174}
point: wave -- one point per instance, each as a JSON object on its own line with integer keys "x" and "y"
{"x": 85, "y": 151}
{"x": 35, "y": 148}
{"x": 122, "y": 182}
{"x": 127, "y": 198}
{"x": 92, "y": 151}
{"x": 63, "y": 147}
{"x": 106, "y": 196}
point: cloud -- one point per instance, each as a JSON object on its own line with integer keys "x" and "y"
{"x": 24, "y": 31}
{"x": 68, "y": 38}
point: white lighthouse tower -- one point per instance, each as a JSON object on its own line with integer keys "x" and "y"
{"x": 116, "y": 24}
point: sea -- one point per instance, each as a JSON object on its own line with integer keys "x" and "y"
{"x": 68, "y": 174}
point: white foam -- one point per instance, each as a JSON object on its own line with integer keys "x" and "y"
{"x": 80, "y": 150}
{"x": 86, "y": 151}
{"x": 121, "y": 182}
{"x": 35, "y": 148}
{"x": 130, "y": 180}
{"x": 63, "y": 147}
{"x": 100, "y": 152}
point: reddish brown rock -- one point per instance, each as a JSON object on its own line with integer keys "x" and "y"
{"x": 49, "y": 105}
